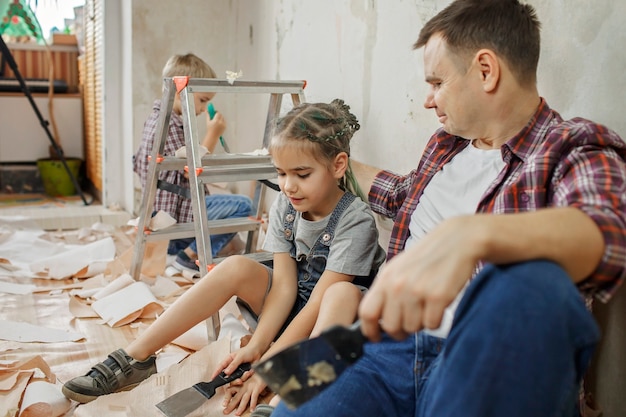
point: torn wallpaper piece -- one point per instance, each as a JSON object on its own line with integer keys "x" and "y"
{"x": 128, "y": 304}
{"x": 43, "y": 399}
{"x": 19, "y": 289}
{"x": 17, "y": 377}
{"x": 74, "y": 259}
{"x": 19, "y": 250}
{"x": 26, "y": 332}
{"x": 117, "y": 284}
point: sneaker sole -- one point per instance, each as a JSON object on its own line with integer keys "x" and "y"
{"x": 84, "y": 398}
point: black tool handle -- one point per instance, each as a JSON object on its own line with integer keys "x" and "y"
{"x": 347, "y": 341}
{"x": 237, "y": 373}
{"x": 208, "y": 388}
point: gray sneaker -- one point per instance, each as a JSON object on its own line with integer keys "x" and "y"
{"x": 262, "y": 410}
{"x": 118, "y": 372}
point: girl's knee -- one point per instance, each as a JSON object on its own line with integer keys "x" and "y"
{"x": 238, "y": 268}
{"x": 343, "y": 291}
{"x": 342, "y": 296}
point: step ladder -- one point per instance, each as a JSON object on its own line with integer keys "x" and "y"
{"x": 209, "y": 168}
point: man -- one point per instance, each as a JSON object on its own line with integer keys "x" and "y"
{"x": 511, "y": 213}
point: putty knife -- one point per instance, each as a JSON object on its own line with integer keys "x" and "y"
{"x": 304, "y": 369}
{"x": 187, "y": 400}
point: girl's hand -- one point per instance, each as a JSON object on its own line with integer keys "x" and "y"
{"x": 239, "y": 395}
{"x": 246, "y": 354}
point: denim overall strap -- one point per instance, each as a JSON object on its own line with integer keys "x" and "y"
{"x": 326, "y": 238}
{"x": 290, "y": 217}
{"x": 312, "y": 265}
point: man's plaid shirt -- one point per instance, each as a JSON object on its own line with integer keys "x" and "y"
{"x": 549, "y": 163}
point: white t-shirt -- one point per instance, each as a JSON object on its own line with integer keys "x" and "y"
{"x": 453, "y": 191}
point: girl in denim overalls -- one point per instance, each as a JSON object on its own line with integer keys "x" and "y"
{"x": 324, "y": 241}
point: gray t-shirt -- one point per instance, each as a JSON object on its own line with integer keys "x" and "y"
{"x": 354, "y": 250}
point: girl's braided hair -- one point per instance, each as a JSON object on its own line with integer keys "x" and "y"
{"x": 325, "y": 129}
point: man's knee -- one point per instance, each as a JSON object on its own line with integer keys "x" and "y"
{"x": 525, "y": 282}
{"x": 530, "y": 295}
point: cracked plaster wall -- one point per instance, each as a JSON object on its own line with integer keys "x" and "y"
{"x": 361, "y": 51}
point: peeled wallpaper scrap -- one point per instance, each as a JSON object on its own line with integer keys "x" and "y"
{"x": 17, "y": 378}
{"x": 73, "y": 260}
{"x": 12, "y": 288}
{"x": 127, "y": 305}
{"x": 117, "y": 284}
{"x": 99, "y": 298}
{"x": 43, "y": 399}
{"x": 20, "y": 247}
{"x": 26, "y": 332}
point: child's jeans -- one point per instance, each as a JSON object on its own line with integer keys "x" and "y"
{"x": 521, "y": 341}
{"x": 218, "y": 206}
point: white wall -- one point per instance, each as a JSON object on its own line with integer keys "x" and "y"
{"x": 27, "y": 140}
{"x": 361, "y": 51}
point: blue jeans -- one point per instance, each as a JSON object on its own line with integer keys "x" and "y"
{"x": 218, "y": 206}
{"x": 521, "y": 341}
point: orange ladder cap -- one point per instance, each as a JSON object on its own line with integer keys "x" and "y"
{"x": 199, "y": 170}
{"x": 181, "y": 82}
{"x": 159, "y": 158}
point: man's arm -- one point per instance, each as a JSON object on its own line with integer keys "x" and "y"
{"x": 565, "y": 235}
{"x": 413, "y": 289}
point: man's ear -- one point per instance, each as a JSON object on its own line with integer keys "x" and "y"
{"x": 340, "y": 165}
{"x": 489, "y": 67}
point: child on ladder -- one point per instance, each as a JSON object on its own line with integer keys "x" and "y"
{"x": 173, "y": 194}
{"x": 326, "y": 251}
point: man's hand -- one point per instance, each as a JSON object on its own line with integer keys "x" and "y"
{"x": 412, "y": 290}
{"x": 242, "y": 395}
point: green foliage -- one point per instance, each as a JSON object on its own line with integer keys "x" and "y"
{"x": 18, "y": 19}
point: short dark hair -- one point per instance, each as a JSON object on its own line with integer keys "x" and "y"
{"x": 507, "y": 27}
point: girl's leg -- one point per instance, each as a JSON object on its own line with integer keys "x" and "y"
{"x": 125, "y": 369}
{"x": 339, "y": 306}
{"x": 236, "y": 275}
